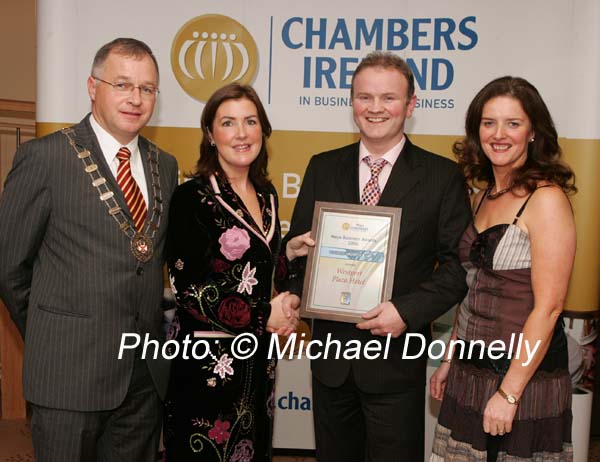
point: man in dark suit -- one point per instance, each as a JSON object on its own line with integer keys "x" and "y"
{"x": 374, "y": 409}
{"x": 82, "y": 226}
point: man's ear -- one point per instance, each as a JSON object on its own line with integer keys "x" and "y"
{"x": 91, "y": 86}
{"x": 411, "y": 106}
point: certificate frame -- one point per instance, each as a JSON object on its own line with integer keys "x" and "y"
{"x": 341, "y": 283}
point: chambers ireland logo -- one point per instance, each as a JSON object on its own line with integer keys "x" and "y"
{"x": 210, "y": 51}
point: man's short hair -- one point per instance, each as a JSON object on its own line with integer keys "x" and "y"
{"x": 124, "y": 47}
{"x": 386, "y": 60}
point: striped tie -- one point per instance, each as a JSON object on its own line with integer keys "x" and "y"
{"x": 131, "y": 190}
{"x": 372, "y": 193}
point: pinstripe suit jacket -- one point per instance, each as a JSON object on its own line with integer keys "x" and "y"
{"x": 428, "y": 277}
{"x": 69, "y": 279}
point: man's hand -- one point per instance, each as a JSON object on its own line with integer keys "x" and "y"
{"x": 281, "y": 322}
{"x": 382, "y": 320}
{"x": 290, "y": 305}
{"x": 298, "y": 246}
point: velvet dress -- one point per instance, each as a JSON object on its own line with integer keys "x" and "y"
{"x": 221, "y": 270}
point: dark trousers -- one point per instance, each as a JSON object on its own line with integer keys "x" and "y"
{"x": 129, "y": 433}
{"x": 353, "y": 426}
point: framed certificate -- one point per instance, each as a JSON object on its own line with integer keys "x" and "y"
{"x": 351, "y": 268}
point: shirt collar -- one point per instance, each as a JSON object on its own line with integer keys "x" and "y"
{"x": 109, "y": 145}
{"x": 391, "y": 156}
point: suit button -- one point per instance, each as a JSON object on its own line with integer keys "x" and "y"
{"x": 140, "y": 270}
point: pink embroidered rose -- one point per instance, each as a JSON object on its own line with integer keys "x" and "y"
{"x": 243, "y": 452}
{"x": 219, "y": 432}
{"x": 234, "y": 243}
{"x": 234, "y": 312}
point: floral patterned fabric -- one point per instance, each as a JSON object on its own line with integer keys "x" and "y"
{"x": 221, "y": 270}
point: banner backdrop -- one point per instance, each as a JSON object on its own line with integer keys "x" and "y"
{"x": 300, "y": 57}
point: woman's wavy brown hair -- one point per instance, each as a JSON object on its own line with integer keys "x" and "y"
{"x": 208, "y": 163}
{"x": 543, "y": 154}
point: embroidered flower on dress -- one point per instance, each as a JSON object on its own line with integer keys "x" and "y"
{"x": 219, "y": 432}
{"x": 212, "y": 382}
{"x": 179, "y": 264}
{"x": 243, "y": 452}
{"x": 223, "y": 366}
{"x": 220, "y": 266}
{"x": 234, "y": 312}
{"x": 234, "y": 243}
{"x": 248, "y": 280}
{"x": 196, "y": 422}
{"x": 271, "y": 404}
{"x": 173, "y": 328}
{"x": 172, "y": 284}
{"x": 271, "y": 366}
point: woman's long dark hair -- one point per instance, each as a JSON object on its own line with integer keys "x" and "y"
{"x": 543, "y": 161}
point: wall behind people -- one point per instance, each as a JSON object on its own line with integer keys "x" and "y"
{"x": 17, "y": 50}
{"x": 17, "y": 111}
{"x": 300, "y": 58}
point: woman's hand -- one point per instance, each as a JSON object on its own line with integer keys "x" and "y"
{"x": 282, "y": 321}
{"x": 437, "y": 382}
{"x": 498, "y": 415}
{"x": 298, "y": 246}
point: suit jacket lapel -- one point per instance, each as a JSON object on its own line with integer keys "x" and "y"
{"x": 229, "y": 208}
{"x": 406, "y": 173}
{"x": 144, "y": 148}
{"x": 346, "y": 176}
{"x": 86, "y": 138}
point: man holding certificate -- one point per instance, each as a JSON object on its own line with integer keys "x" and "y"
{"x": 373, "y": 409}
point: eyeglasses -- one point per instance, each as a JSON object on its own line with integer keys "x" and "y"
{"x": 147, "y": 91}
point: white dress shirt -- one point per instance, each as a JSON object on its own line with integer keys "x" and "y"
{"x": 110, "y": 147}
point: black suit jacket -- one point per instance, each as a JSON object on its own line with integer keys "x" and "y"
{"x": 428, "y": 277}
{"x": 69, "y": 279}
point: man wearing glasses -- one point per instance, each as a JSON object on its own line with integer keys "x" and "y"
{"x": 82, "y": 225}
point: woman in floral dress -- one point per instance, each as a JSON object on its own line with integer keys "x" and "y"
{"x": 223, "y": 243}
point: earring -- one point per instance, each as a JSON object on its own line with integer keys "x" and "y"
{"x": 532, "y": 139}
{"x": 212, "y": 143}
